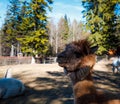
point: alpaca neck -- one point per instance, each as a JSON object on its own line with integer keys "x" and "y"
{"x": 83, "y": 88}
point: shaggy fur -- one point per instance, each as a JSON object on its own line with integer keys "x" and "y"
{"x": 78, "y": 60}
{"x": 116, "y": 65}
{"x": 10, "y": 87}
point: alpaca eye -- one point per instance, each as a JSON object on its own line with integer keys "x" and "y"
{"x": 77, "y": 54}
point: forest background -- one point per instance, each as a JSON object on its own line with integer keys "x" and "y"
{"x": 29, "y": 30}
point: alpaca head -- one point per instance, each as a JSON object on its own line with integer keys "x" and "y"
{"x": 78, "y": 58}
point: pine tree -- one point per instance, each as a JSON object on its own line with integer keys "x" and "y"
{"x": 117, "y": 13}
{"x": 34, "y": 24}
{"x": 25, "y": 25}
{"x": 100, "y": 19}
{"x": 10, "y": 28}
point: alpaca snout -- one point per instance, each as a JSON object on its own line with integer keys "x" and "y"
{"x": 60, "y": 57}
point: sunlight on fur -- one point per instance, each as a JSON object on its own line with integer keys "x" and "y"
{"x": 10, "y": 87}
{"x": 78, "y": 60}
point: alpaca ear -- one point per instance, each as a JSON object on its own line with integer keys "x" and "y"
{"x": 93, "y": 49}
{"x": 8, "y": 73}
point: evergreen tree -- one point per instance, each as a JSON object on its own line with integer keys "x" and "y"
{"x": 11, "y": 25}
{"x": 100, "y": 19}
{"x": 117, "y": 13}
{"x": 25, "y": 25}
{"x": 66, "y": 31}
{"x": 34, "y": 24}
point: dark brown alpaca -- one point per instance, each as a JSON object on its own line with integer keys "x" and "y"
{"x": 78, "y": 60}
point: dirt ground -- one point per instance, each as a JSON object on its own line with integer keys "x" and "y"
{"x": 47, "y": 84}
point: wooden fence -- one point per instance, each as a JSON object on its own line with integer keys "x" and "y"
{"x": 14, "y": 60}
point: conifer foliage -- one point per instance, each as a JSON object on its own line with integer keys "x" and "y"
{"x": 28, "y": 25}
{"x": 101, "y": 20}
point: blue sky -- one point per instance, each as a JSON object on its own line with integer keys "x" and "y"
{"x": 72, "y": 8}
{"x": 3, "y": 7}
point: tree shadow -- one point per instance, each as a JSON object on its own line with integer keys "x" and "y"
{"x": 57, "y": 88}
{"x": 108, "y": 80}
{"x": 46, "y": 90}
